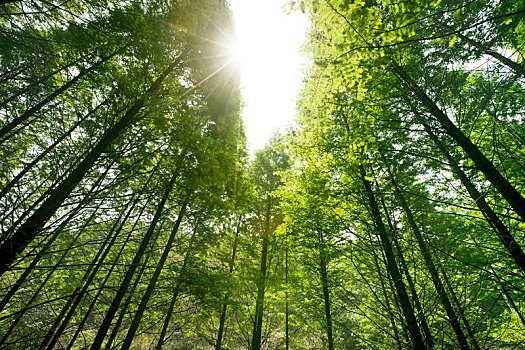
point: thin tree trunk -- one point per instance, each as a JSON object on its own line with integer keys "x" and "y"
{"x": 421, "y": 315}
{"x": 38, "y": 82}
{"x": 123, "y": 310}
{"x": 28, "y": 231}
{"x": 502, "y": 185}
{"x": 388, "y": 304}
{"x": 153, "y": 281}
{"x": 404, "y": 301}
{"x": 28, "y": 167}
{"x": 516, "y": 67}
{"x": 96, "y": 263}
{"x": 287, "y": 313}
{"x": 30, "y": 112}
{"x": 27, "y": 271}
{"x": 261, "y": 284}
{"x": 176, "y": 292}
{"x": 113, "y": 308}
{"x": 442, "y": 295}
{"x": 222, "y": 319}
{"x": 326, "y": 294}
{"x": 461, "y": 312}
{"x": 501, "y": 230}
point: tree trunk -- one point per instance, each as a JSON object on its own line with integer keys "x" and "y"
{"x": 404, "y": 301}
{"x": 501, "y": 230}
{"x": 28, "y": 231}
{"x": 261, "y": 285}
{"x": 222, "y": 319}
{"x": 421, "y": 315}
{"x": 461, "y": 313}
{"x": 153, "y": 281}
{"x": 442, "y": 295}
{"x": 123, "y": 310}
{"x": 176, "y": 291}
{"x": 30, "y": 112}
{"x": 38, "y": 82}
{"x": 96, "y": 263}
{"x": 27, "y": 271}
{"x": 326, "y": 295}
{"x": 516, "y": 67}
{"x": 28, "y": 167}
{"x": 113, "y": 308}
{"x": 502, "y": 185}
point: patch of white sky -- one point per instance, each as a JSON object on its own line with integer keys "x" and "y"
{"x": 268, "y": 51}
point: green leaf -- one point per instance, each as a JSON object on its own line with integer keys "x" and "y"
{"x": 453, "y": 40}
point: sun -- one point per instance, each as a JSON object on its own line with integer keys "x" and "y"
{"x": 266, "y": 50}
{"x": 235, "y": 52}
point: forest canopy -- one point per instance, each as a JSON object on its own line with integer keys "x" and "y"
{"x": 391, "y": 214}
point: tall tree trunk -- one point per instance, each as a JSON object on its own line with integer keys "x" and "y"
{"x": 222, "y": 320}
{"x": 28, "y": 231}
{"x": 27, "y": 271}
{"x": 442, "y": 294}
{"x": 287, "y": 312}
{"x": 461, "y": 312}
{"x": 124, "y": 308}
{"x": 502, "y": 185}
{"x": 388, "y": 302}
{"x": 39, "y": 81}
{"x": 501, "y": 230}
{"x": 421, "y": 315}
{"x": 113, "y": 308}
{"x": 176, "y": 292}
{"x": 326, "y": 294}
{"x": 29, "y": 166}
{"x": 261, "y": 285}
{"x": 30, "y": 112}
{"x": 516, "y": 67}
{"x": 153, "y": 281}
{"x": 404, "y": 301}
{"x": 96, "y": 263}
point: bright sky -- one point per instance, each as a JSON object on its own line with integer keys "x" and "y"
{"x": 271, "y": 64}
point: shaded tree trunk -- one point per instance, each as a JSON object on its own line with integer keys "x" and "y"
{"x": 153, "y": 281}
{"x": 326, "y": 294}
{"x": 222, "y": 319}
{"x": 28, "y": 231}
{"x": 502, "y": 185}
{"x": 113, "y": 308}
{"x": 176, "y": 291}
{"x": 30, "y": 112}
{"x": 442, "y": 295}
{"x": 501, "y": 230}
{"x": 404, "y": 301}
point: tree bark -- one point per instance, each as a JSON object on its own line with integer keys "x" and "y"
{"x": 30, "y": 112}
{"x": 28, "y": 167}
{"x": 176, "y": 291}
{"x": 326, "y": 294}
{"x": 421, "y": 315}
{"x": 222, "y": 320}
{"x": 442, "y": 294}
{"x": 261, "y": 285}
